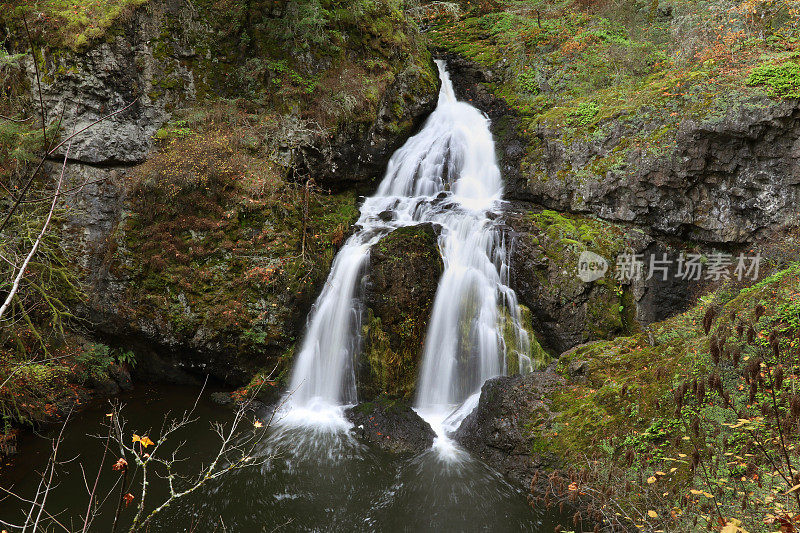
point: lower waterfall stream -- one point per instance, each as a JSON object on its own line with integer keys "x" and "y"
{"x": 315, "y": 480}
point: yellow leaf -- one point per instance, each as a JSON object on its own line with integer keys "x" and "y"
{"x": 651, "y": 479}
{"x": 696, "y": 492}
{"x": 146, "y": 441}
{"x": 136, "y": 438}
{"x": 733, "y": 526}
{"x": 660, "y": 473}
{"x": 652, "y": 514}
{"x": 258, "y": 424}
{"x": 796, "y": 487}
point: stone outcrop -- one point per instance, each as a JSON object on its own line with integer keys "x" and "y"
{"x": 359, "y": 152}
{"x": 167, "y": 56}
{"x": 78, "y": 88}
{"x": 567, "y": 310}
{"x": 403, "y": 275}
{"x": 726, "y": 179}
{"x": 392, "y": 426}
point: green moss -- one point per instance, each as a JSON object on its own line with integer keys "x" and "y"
{"x": 624, "y": 416}
{"x": 219, "y": 241}
{"x": 75, "y": 24}
{"x": 584, "y": 114}
{"x": 580, "y": 72}
{"x": 391, "y": 372}
{"x": 527, "y": 349}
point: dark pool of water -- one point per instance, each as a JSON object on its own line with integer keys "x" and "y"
{"x": 310, "y": 481}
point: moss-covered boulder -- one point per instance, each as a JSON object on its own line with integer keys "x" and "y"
{"x": 404, "y": 272}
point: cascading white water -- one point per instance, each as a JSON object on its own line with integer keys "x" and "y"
{"x": 446, "y": 174}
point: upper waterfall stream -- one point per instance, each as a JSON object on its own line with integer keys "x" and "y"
{"x": 446, "y": 175}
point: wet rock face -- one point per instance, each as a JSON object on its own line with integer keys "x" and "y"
{"x": 403, "y": 275}
{"x": 497, "y": 430}
{"x": 567, "y": 310}
{"x": 725, "y": 180}
{"x": 391, "y": 426}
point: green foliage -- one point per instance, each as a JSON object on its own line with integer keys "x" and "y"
{"x": 657, "y": 433}
{"x": 527, "y": 81}
{"x": 782, "y": 80}
{"x": 519, "y": 350}
{"x": 96, "y": 359}
{"x": 584, "y": 114}
{"x": 126, "y": 357}
{"x": 173, "y": 130}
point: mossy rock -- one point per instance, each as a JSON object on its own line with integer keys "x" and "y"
{"x": 566, "y": 311}
{"x": 405, "y": 267}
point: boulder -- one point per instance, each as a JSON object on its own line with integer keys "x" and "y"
{"x": 391, "y": 425}
{"x": 498, "y": 430}
{"x": 568, "y": 310}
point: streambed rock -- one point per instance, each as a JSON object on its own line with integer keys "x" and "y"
{"x": 499, "y": 429}
{"x": 391, "y": 425}
{"x": 404, "y": 271}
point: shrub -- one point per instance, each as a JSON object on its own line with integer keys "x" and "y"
{"x": 584, "y": 114}
{"x": 781, "y": 80}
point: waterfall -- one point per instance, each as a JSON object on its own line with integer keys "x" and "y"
{"x": 445, "y": 174}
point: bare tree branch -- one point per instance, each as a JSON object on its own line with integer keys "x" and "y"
{"x": 21, "y": 273}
